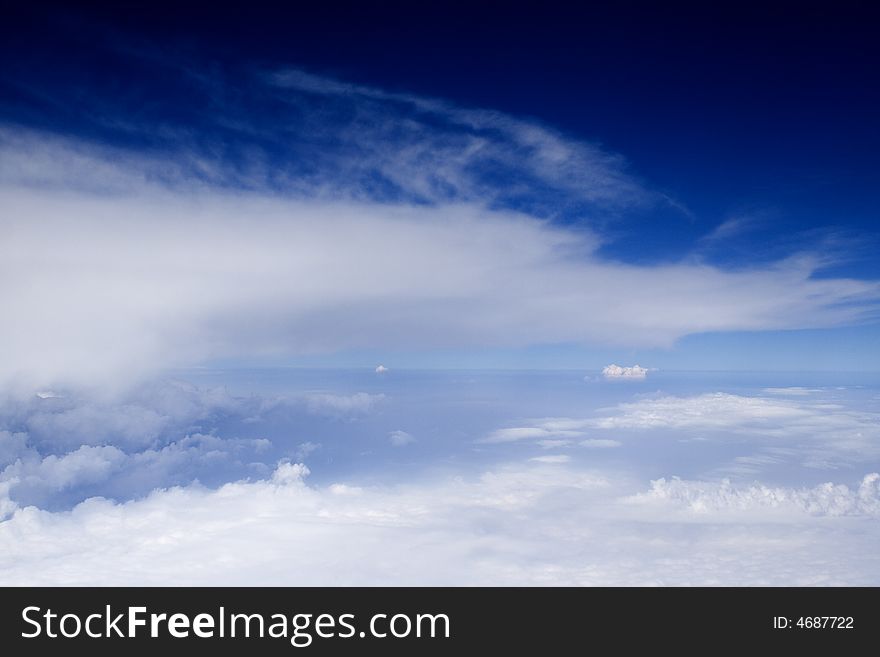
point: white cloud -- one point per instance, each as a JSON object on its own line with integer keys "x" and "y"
{"x": 787, "y": 428}
{"x": 815, "y": 432}
{"x": 555, "y": 458}
{"x": 87, "y": 464}
{"x": 131, "y": 418}
{"x": 543, "y": 431}
{"x": 630, "y": 373}
{"x": 381, "y": 369}
{"x": 58, "y": 479}
{"x": 706, "y": 411}
{"x": 400, "y": 438}
{"x": 290, "y": 474}
{"x": 791, "y": 391}
{"x": 600, "y": 443}
{"x": 827, "y": 499}
{"x": 152, "y": 269}
{"x": 551, "y": 525}
{"x": 442, "y": 151}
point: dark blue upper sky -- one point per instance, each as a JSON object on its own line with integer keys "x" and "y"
{"x": 765, "y": 118}
{"x": 767, "y": 114}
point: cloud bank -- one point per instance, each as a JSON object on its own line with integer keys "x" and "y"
{"x": 550, "y": 525}
{"x": 707, "y": 498}
{"x": 369, "y": 220}
{"x": 811, "y": 428}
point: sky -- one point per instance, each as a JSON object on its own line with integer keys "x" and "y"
{"x": 500, "y": 294}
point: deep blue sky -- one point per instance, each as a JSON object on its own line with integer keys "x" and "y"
{"x": 763, "y": 115}
{"x": 768, "y": 112}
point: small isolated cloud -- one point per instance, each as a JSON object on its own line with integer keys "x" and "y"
{"x": 556, "y": 458}
{"x": 601, "y": 443}
{"x": 631, "y": 373}
{"x": 400, "y": 438}
{"x": 381, "y": 369}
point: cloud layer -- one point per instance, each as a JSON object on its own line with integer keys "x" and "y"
{"x": 536, "y": 524}
{"x": 368, "y": 220}
{"x": 820, "y": 432}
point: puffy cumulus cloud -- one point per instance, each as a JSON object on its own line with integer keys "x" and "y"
{"x": 290, "y": 474}
{"x": 827, "y": 499}
{"x": 133, "y": 418}
{"x": 76, "y": 445}
{"x": 627, "y": 373}
{"x": 550, "y": 525}
{"x": 60, "y": 480}
{"x": 87, "y": 464}
{"x": 400, "y": 438}
{"x": 381, "y": 224}
{"x": 381, "y": 369}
